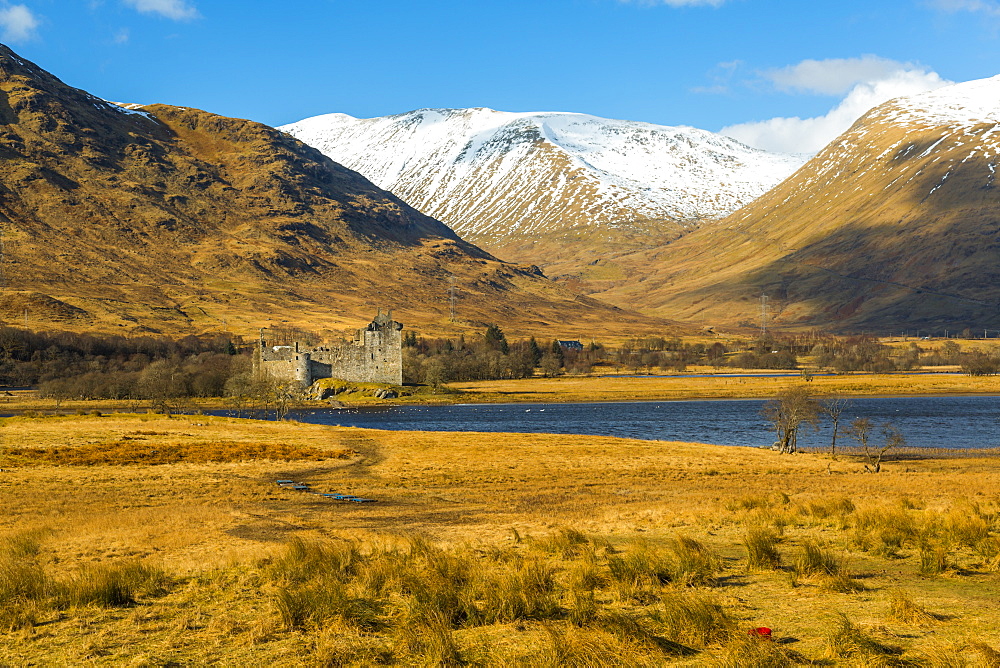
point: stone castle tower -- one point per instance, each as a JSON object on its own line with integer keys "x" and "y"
{"x": 375, "y": 357}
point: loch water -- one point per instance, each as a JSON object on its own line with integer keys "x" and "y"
{"x": 931, "y": 422}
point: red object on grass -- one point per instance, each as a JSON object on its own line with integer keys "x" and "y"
{"x": 761, "y": 632}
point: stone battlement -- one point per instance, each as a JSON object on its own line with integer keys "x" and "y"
{"x": 375, "y": 357}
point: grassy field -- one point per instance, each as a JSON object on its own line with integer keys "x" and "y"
{"x": 665, "y": 388}
{"x": 148, "y": 540}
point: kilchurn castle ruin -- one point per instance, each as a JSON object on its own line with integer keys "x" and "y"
{"x": 375, "y": 357}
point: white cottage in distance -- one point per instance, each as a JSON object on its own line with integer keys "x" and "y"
{"x": 376, "y": 356}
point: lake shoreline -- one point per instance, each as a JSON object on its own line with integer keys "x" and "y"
{"x": 583, "y": 390}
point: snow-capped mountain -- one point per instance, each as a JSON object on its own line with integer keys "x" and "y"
{"x": 493, "y": 176}
{"x": 896, "y": 223}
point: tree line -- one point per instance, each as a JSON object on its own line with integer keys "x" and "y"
{"x": 490, "y": 356}
{"x": 111, "y": 366}
{"x": 66, "y": 365}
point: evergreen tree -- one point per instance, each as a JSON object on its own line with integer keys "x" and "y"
{"x": 535, "y": 351}
{"x": 558, "y": 352}
{"x": 496, "y": 340}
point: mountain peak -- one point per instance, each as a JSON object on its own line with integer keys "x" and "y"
{"x": 494, "y": 175}
{"x": 969, "y": 102}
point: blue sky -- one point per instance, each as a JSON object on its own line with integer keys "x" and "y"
{"x": 751, "y": 67}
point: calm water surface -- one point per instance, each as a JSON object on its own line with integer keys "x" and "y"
{"x": 935, "y": 422}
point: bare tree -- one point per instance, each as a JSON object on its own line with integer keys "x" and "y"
{"x": 787, "y": 412}
{"x": 833, "y": 407}
{"x": 863, "y": 430}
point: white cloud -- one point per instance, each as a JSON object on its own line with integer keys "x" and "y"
{"x": 833, "y": 76}
{"x": 984, "y": 6}
{"x": 17, "y": 23}
{"x": 179, "y": 10}
{"x": 809, "y": 135}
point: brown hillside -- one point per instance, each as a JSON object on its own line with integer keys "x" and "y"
{"x": 179, "y": 221}
{"x": 893, "y": 226}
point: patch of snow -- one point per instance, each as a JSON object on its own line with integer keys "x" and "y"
{"x": 129, "y": 108}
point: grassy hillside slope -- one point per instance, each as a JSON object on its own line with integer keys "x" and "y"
{"x": 175, "y": 220}
{"x": 894, "y": 225}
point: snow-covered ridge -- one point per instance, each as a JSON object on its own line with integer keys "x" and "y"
{"x": 971, "y": 102}
{"x": 937, "y": 146}
{"x": 492, "y": 173}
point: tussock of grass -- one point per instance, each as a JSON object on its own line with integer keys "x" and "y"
{"x": 750, "y": 502}
{"x": 884, "y": 531}
{"x": 988, "y": 655}
{"x": 566, "y": 542}
{"x": 585, "y": 648}
{"x": 122, "y": 453}
{"x": 816, "y": 559}
{"x": 904, "y": 610}
{"x": 762, "y": 548}
{"x": 934, "y": 558}
{"x": 744, "y": 650}
{"x": 432, "y": 640}
{"x": 24, "y": 585}
{"x": 988, "y": 550}
{"x": 693, "y": 619}
{"x": 585, "y": 575}
{"x": 847, "y": 641}
{"x": 965, "y": 525}
{"x": 842, "y": 583}
{"x": 630, "y": 629}
{"x": 826, "y": 508}
{"x": 28, "y": 593}
{"x": 645, "y": 566}
{"x": 113, "y": 585}
{"x": 337, "y": 646}
{"x": 818, "y": 562}
{"x": 582, "y": 607}
{"x": 694, "y": 563}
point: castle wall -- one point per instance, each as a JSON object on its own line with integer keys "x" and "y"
{"x": 376, "y": 357}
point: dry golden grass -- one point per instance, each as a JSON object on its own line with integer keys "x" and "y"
{"x": 662, "y": 388}
{"x": 129, "y": 452}
{"x": 609, "y": 530}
